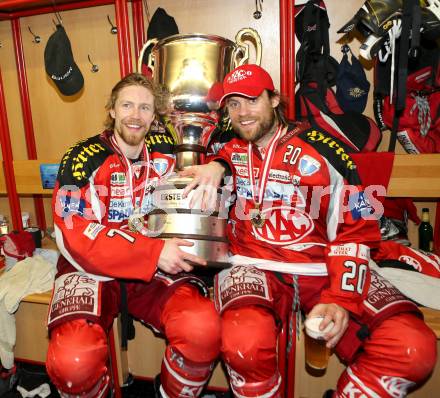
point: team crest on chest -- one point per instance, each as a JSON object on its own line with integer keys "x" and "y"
{"x": 284, "y": 225}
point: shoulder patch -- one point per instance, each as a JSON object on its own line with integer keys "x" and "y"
{"x": 335, "y": 151}
{"x": 81, "y": 160}
{"x": 161, "y": 139}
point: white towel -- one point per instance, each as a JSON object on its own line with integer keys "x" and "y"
{"x": 7, "y": 337}
{"x": 42, "y": 391}
{"x": 29, "y": 276}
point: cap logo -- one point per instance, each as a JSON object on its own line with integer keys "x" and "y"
{"x": 69, "y": 71}
{"x": 356, "y": 92}
{"x": 239, "y": 75}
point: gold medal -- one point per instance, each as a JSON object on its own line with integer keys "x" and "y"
{"x": 136, "y": 221}
{"x": 258, "y": 190}
{"x": 257, "y": 219}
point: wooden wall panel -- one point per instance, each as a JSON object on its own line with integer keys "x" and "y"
{"x": 61, "y": 120}
{"x": 11, "y": 89}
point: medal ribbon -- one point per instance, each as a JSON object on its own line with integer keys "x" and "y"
{"x": 258, "y": 196}
{"x": 129, "y": 167}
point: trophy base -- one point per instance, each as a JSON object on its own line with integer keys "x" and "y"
{"x": 215, "y": 253}
{"x": 173, "y": 218}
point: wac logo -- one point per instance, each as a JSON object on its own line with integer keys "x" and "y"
{"x": 238, "y": 75}
{"x": 351, "y": 391}
{"x": 397, "y": 387}
{"x": 284, "y": 225}
{"x": 411, "y": 261}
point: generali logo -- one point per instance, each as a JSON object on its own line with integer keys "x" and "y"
{"x": 239, "y": 75}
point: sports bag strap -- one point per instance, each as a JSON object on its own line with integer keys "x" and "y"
{"x": 408, "y": 8}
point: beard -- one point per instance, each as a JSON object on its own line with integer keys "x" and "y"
{"x": 262, "y": 127}
{"x": 131, "y": 138}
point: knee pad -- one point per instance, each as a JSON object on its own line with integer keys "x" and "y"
{"x": 413, "y": 349}
{"x": 181, "y": 377}
{"x": 241, "y": 387}
{"x": 249, "y": 336}
{"x": 400, "y": 354}
{"x": 421, "y": 343}
{"x": 192, "y": 325}
{"x": 77, "y": 357}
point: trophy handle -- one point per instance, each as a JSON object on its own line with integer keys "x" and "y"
{"x": 150, "y": 63}
{"x": 242, "y": 47}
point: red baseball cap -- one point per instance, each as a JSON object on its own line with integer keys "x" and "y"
{"x": 246, "y": 80}
{"x": 215, "y": 93}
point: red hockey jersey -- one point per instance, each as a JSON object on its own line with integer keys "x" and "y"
{"x": 93, "y": 200}
{"x": 316, "y": 213}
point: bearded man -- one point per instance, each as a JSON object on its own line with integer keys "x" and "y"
{"x": 110, "y": 264}
{"x": 303, "y": 227}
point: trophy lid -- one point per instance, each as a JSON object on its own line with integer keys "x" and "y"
{"x": 193, "y": 37}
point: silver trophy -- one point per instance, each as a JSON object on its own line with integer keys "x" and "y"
{"x": 188, "y": 65}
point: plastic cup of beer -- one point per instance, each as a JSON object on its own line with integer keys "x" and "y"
{"x": 316, "y": 352}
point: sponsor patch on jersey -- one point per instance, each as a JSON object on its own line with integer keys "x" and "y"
{"x": 330, "y": 143}
{"x": 244, "y": 191}
{"x": 279, "y": 175}
{"x": 158, "y": 138}
{"x": 241, "y": 171}
{"x": 382, "y": 294}
{"x": 239, "y": 158}
{"x": 345, "y": 250}
{"x": 85, "y": 155}
{"x": 241, "y": 281}
{"x": 119, "y": 191}
{"x": 160, "y": 165}
{"x": 119, "y": 209}
{"x": 118, "y": 178}
{"x": 118, "y": 215}
{"x": 92, "y": 230}
{"x": 274, "y": 191}
{"x": 74, "y": 293}
{"x": 350, "y": 250}
{"x": 359, "y": 205}
{"x": 308, "y": 166}
{"x": 124, "y": 203}
{"x": 284, "y": 225}
{"x": 71, "y": 205}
